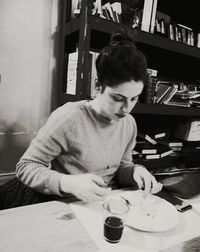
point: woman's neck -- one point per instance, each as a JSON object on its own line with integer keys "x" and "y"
{"x": 95, "y": 105}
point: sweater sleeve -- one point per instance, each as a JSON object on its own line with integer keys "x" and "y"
{"x": 34, "y": 167}
{"x": 124, "y": 174}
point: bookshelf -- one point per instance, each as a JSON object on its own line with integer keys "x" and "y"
{"x": 172, "y": 59}
{"x": 145, "y": 38}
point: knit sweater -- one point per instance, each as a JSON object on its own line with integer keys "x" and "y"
{"x": 82, "y": 141}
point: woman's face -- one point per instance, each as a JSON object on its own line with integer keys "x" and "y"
{"x": 116, "y": 102}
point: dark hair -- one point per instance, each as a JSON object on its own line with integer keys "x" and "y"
{"x": 121, "y": 61}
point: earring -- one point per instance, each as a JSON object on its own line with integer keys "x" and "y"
{"x": 98, "y": 86}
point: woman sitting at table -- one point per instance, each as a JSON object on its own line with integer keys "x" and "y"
{"x": 86, "y": 146}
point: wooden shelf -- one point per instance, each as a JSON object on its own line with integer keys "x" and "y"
{"x": 190, "y": 160}
{"x": 159, "y": 109}
{"x": 72, "y": 26}
{"x": 167, "y": 44}
{"x": 145, "y": 108}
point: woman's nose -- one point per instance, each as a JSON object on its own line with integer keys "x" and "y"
{"x": 126, "y": 107}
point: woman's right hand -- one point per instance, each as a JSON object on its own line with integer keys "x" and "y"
{"x": 87, "y": 187}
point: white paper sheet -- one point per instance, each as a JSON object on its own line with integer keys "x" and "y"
{"x": 93, "y": 222}
{"x": 90, "y": 216}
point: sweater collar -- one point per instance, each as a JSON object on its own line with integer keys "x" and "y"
{"x": 89, "y": 106}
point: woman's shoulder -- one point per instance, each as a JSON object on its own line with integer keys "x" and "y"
{"x": 130, "y": 120}
{"x": 68, "y": 110}
{"x": 66, "y": 114}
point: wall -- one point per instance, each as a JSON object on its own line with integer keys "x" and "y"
{"x": 28, "y": 59}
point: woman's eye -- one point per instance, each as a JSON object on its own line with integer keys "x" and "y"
{"x": 117, "y": 99}
{"x": 134, "y": 99}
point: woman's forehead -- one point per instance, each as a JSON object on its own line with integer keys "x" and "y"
{"x": 127, "y": 89}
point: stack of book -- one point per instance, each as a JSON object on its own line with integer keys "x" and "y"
{"x": 150, "y": 89}
{"x": 177, "y": 93}
{"x": 150, "y": 148}
{"x": 167, "y": 27}
{"x": 173, "y": 143}
{"x": 165, "y": 91}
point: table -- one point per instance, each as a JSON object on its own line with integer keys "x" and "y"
{"x": 53, "y": 226}
{"x": 192, "y": 245}
{"x": 45, "y": 227}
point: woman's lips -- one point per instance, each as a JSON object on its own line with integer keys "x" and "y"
{"x": 121, "y": 115}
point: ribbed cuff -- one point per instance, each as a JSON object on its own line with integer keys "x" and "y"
{"x": 54, "y": 183}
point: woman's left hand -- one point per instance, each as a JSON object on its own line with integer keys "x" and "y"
{"x": 146, "y": 180}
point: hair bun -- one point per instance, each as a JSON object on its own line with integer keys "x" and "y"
{"x": 122, "y": 36}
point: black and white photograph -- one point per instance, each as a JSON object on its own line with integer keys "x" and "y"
{"x": 99, "y": 126}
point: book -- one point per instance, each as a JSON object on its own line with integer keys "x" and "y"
{"x": 171, "y": 32}
{"x": 72, "y": 73}
{"x": 75, "y": 8}
{"x": 147, "y": 15}
{"x": 110, "y": 11}
{"x": 106, "y": 13}
{"x": 171, "y": 92}
{"x": 155, "y": 134}
{"x": 170, "y": 142}
{"x": 117, "y": 10}
{"x": 153, "y": 16}
{"x": 97, "y": 10}
{"x": 178, "y": 100}
{"x": 176, "y": 148}
{"x": 148, "y": 151}
{"x": 93, "y": 89}
{"x": 161, "y": 23}
{"x": 149, "y": 156}
{"x": 164, "y": 151}
{"x": 150, "y": 88}
{"x": 188, "y": 130}
{"x": 162, "y": 88}
{"x": 147, "y": 138}
{"x": 179, "y": 103}
{"x": 195, "y": 102}
{"x": 136, "y": 154}
{"x": 145, "y": 148}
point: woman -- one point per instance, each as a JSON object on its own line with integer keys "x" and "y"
{"x": 86, "y": 146}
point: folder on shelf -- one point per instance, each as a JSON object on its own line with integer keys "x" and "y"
{"x": 93, "y": 75}
{"x": 72, "y": 73}
{"x": 153, "y": 16}
{"x": 147, "y": 15}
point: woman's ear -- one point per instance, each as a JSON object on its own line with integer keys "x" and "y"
{"x": 98, "y": 86}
